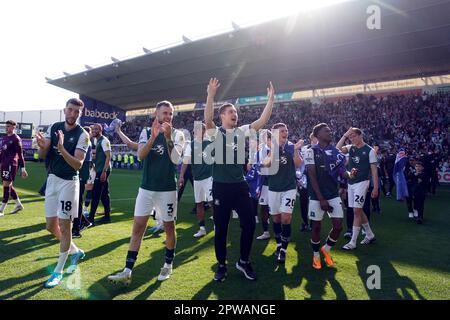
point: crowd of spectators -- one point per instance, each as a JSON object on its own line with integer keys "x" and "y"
{"x": 419, "y": 123}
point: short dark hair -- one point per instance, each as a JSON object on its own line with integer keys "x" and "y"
{"x": 357, "y": 131}
{"x": 317, "y": 128}
{"x": 75, "y": 102}
{"x": 224, "y": 106}
{"x": 164, "y": 103}
{"x": 87, "y": 128}
{"x": 11, "y": 122}
{"x": 278, "y": 125}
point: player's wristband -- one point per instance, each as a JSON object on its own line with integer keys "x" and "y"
{"x": 170, "y": 144}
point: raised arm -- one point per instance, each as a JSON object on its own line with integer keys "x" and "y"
{"x": 340, "y": 145}
{"x": 267, "y": 112}
{"x": 209, "y": 109}
{"x": 130, "y": 144}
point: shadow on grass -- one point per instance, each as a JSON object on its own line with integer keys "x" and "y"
{"x": 12, "y": 250}
{"x": 150, "y": 269}
{"x": 24, "y": 293}
{"x": 393, "y": 285}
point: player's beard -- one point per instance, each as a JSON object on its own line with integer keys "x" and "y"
{"x": 70, "y": 122}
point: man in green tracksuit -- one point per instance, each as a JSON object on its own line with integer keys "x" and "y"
{"x": 102, "y": 172}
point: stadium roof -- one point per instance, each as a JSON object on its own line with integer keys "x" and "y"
{"x": 327, "y": 47}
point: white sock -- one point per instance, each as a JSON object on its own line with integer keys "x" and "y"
{"x": 84, "y": 209}
{"x": 326, "y": 247}
{"x": 61, "y": 262}
{"x": 18, "y": 201}
{"x": 73, "y": 248}
{"x": 316, "y": 254}
{"x": 127, "y": 270}
{"x": 202, "y": 228}
{"x": 3, "y": 206}
{"x": 166, "y": 265}
{"x": 369, "y": 232}
{"x": 355, "y": 235}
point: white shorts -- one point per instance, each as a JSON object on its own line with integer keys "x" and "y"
{"x": 357, "y": 194}
{"x": 164, "y": 203}
{"x": 203, "y": 190}
{"x": 264, "y": 196}
{"x": 316, "y": 213}
{"x": 91, "y": 179}
{"x": 282, "y": 202}
{"x": 61, "y": 198}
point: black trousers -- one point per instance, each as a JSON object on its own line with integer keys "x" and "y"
{"x": 255, "y": 203}
{"x": 100, "y": 192}
{"x": 391, "y": 181}
{"x": 227, "y": 197}
{"x": 419, "y": 202}
{"x": 409, "y": 199}
{"x": 434, "y": 181}
{"x": 383, "y": 181}
{"x": 304, "y": 202}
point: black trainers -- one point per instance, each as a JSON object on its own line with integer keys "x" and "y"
{"x": 277, "y": 251}
{"x": 281, "y": 257}
{"x": 85, "y": 225}
{"x": 76, "y": 234}
{"x": 221, "y": 273}
{"x": 246, "y": 269}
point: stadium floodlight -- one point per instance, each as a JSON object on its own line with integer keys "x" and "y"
{"x": 66, "y": 74}
{"x": 88, "y": 67}
{"x": 48, "y": 79}
{"x": 115, "y": 60}
{"x": 235, "y": 26}
{"x": 186, "y": 39}
{"x": 146, "y": 50}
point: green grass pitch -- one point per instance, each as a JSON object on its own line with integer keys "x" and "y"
{"x": 414, "y": 260}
